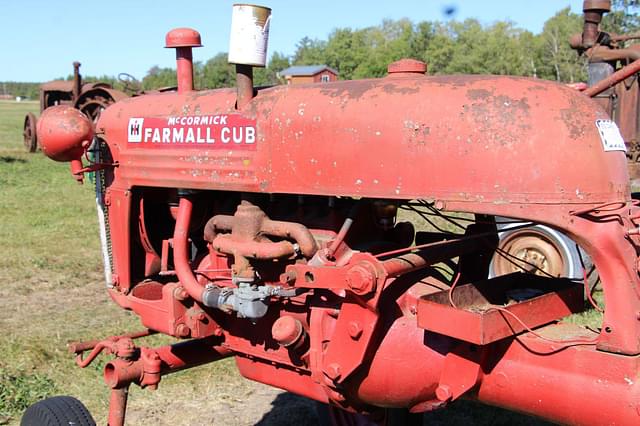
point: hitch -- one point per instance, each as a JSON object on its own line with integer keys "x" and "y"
{"x": 144, "y": 366}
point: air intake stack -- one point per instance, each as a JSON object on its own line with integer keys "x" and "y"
{"x": 248, "y": 46}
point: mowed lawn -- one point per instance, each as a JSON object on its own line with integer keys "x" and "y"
{"x": 52, "y": 288}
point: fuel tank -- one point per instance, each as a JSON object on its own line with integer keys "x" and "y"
{"x": 482, "y": 139}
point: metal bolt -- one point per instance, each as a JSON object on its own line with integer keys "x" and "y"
{"x": 361, "y": 279}
{"x": 182, "y": 330}
{"x": 200, "y": 316}
{"x": 355, "y": 330}
{"x": 333, "y": 371}
{"x": 439, "y": 204}
{"x": 180, "y": 293}
{"x": 443, "y": 393}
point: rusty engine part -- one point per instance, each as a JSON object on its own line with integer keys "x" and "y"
{"x": 285, "y": 226}
{"x": 613, "y": 67}
{"x": 90, "y": 98}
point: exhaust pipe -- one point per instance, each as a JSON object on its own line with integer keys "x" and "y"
{"x": 593, "y": 11}
{"x": 248, "y": 46}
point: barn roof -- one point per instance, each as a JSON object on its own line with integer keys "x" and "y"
{"x": 306, "y": 70}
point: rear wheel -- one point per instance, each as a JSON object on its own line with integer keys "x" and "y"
{"x": 57, "y": 411}
{"x": 29, "y": 136}
{"x": 540, "y": 250}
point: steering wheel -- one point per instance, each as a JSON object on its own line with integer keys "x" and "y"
{"x": 129, "y": 82}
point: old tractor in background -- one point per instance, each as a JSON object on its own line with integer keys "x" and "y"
{"x": 613, "y": 83}
{"x": 90, "y": 98}
{"x": 613, "y": 76}
{"x": 264, "y": 224}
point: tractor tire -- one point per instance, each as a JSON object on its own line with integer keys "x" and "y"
{"x": 29, "y": 137}
{"x": 553, "y": 252}
{"x": 57, "y": 411}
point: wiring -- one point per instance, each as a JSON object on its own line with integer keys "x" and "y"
{"x": 516, "y": 261}
{"x": 566, "y": 343}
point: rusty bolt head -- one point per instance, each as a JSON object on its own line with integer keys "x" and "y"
{"x": 180, "y": 293}
{"x": 217, "y": 332}
{"x": 361, "y": 279}
{"x": 443, "y": 393}
{"x": 125, "y": 348}
{"x": 182, "y": 330}
{"x": 333, "y": 371}
{"x": 355, "y": 330}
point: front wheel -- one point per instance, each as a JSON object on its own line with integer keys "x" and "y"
{"x": 29, "y": 136}
{"x": 57, "y": 411}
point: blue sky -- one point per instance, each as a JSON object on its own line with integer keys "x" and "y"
{"x": 41, "y": 38}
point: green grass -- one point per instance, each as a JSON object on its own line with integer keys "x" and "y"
{"x": 52, "y": 289}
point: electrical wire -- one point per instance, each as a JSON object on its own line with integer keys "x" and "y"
{"x": 569, "y": 342}
{"x": 518, "y": 262}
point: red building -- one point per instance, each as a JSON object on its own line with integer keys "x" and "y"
{"x": 309, "y": 74}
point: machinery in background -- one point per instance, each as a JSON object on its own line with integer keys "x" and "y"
{"x": 90, "y": 98}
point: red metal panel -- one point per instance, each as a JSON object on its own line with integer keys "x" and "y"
{"x": 474, "y": 319}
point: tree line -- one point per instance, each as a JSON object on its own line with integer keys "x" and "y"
{"x": 466, "y": 47}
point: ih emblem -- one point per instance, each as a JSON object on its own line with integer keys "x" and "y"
{"x": 135, "y": 129}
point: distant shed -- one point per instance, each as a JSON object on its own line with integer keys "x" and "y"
{"x": 309, "y": 74}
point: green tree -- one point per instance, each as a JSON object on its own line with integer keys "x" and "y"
{"x": 157, "y": 78}
{"x": 623, "y": 18}
{"x": 558, "y": 61}
{"x": 218, "y": 72}
{"x": 309, "y": 52}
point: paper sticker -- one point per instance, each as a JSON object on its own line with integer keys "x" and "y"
{"x": 610, "y": 136}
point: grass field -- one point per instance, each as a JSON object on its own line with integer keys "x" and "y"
{"x": 52, "y": 292}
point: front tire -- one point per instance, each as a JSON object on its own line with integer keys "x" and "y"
{"x": 57, "y": 411}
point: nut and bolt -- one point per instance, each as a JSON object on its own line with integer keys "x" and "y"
{"x": 333, "y": 371}
{"x": 355, "y": 330}
{"x": 361, "y": 279}
{"x": 443, "y": 393}
{"x": 182, "y": 330}
{"x": 180, "y": 293}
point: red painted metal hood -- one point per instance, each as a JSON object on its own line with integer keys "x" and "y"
{"x": 481, "y": 139}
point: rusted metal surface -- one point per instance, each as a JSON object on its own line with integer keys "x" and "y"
{"x": 183, "y": 40}
{"x": 614, "y": 79}
{"x": 29, "y": 135}
{"x": 64, "y": 133}
{"x": 617, "y": 91}
{"x": 288, "y": 202}
{"x": 593, "y": 11}
{"x": 475, "y": 319}
{"x": 90, "y": 98}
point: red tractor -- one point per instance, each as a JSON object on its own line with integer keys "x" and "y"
{"x": 270, "y": 225}
{"x": 90, "y": 98}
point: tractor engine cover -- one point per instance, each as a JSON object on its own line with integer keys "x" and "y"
{"x": 357, "y": 138}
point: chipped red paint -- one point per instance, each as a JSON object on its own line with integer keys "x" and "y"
{"x": 310, "y": 213}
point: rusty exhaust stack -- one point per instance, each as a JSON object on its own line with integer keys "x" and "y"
{"x": 77, "y": 81}
{"x": 593, "y": 11}
{"x": 183, "y": 40}
{"x": 248, "y": 46}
